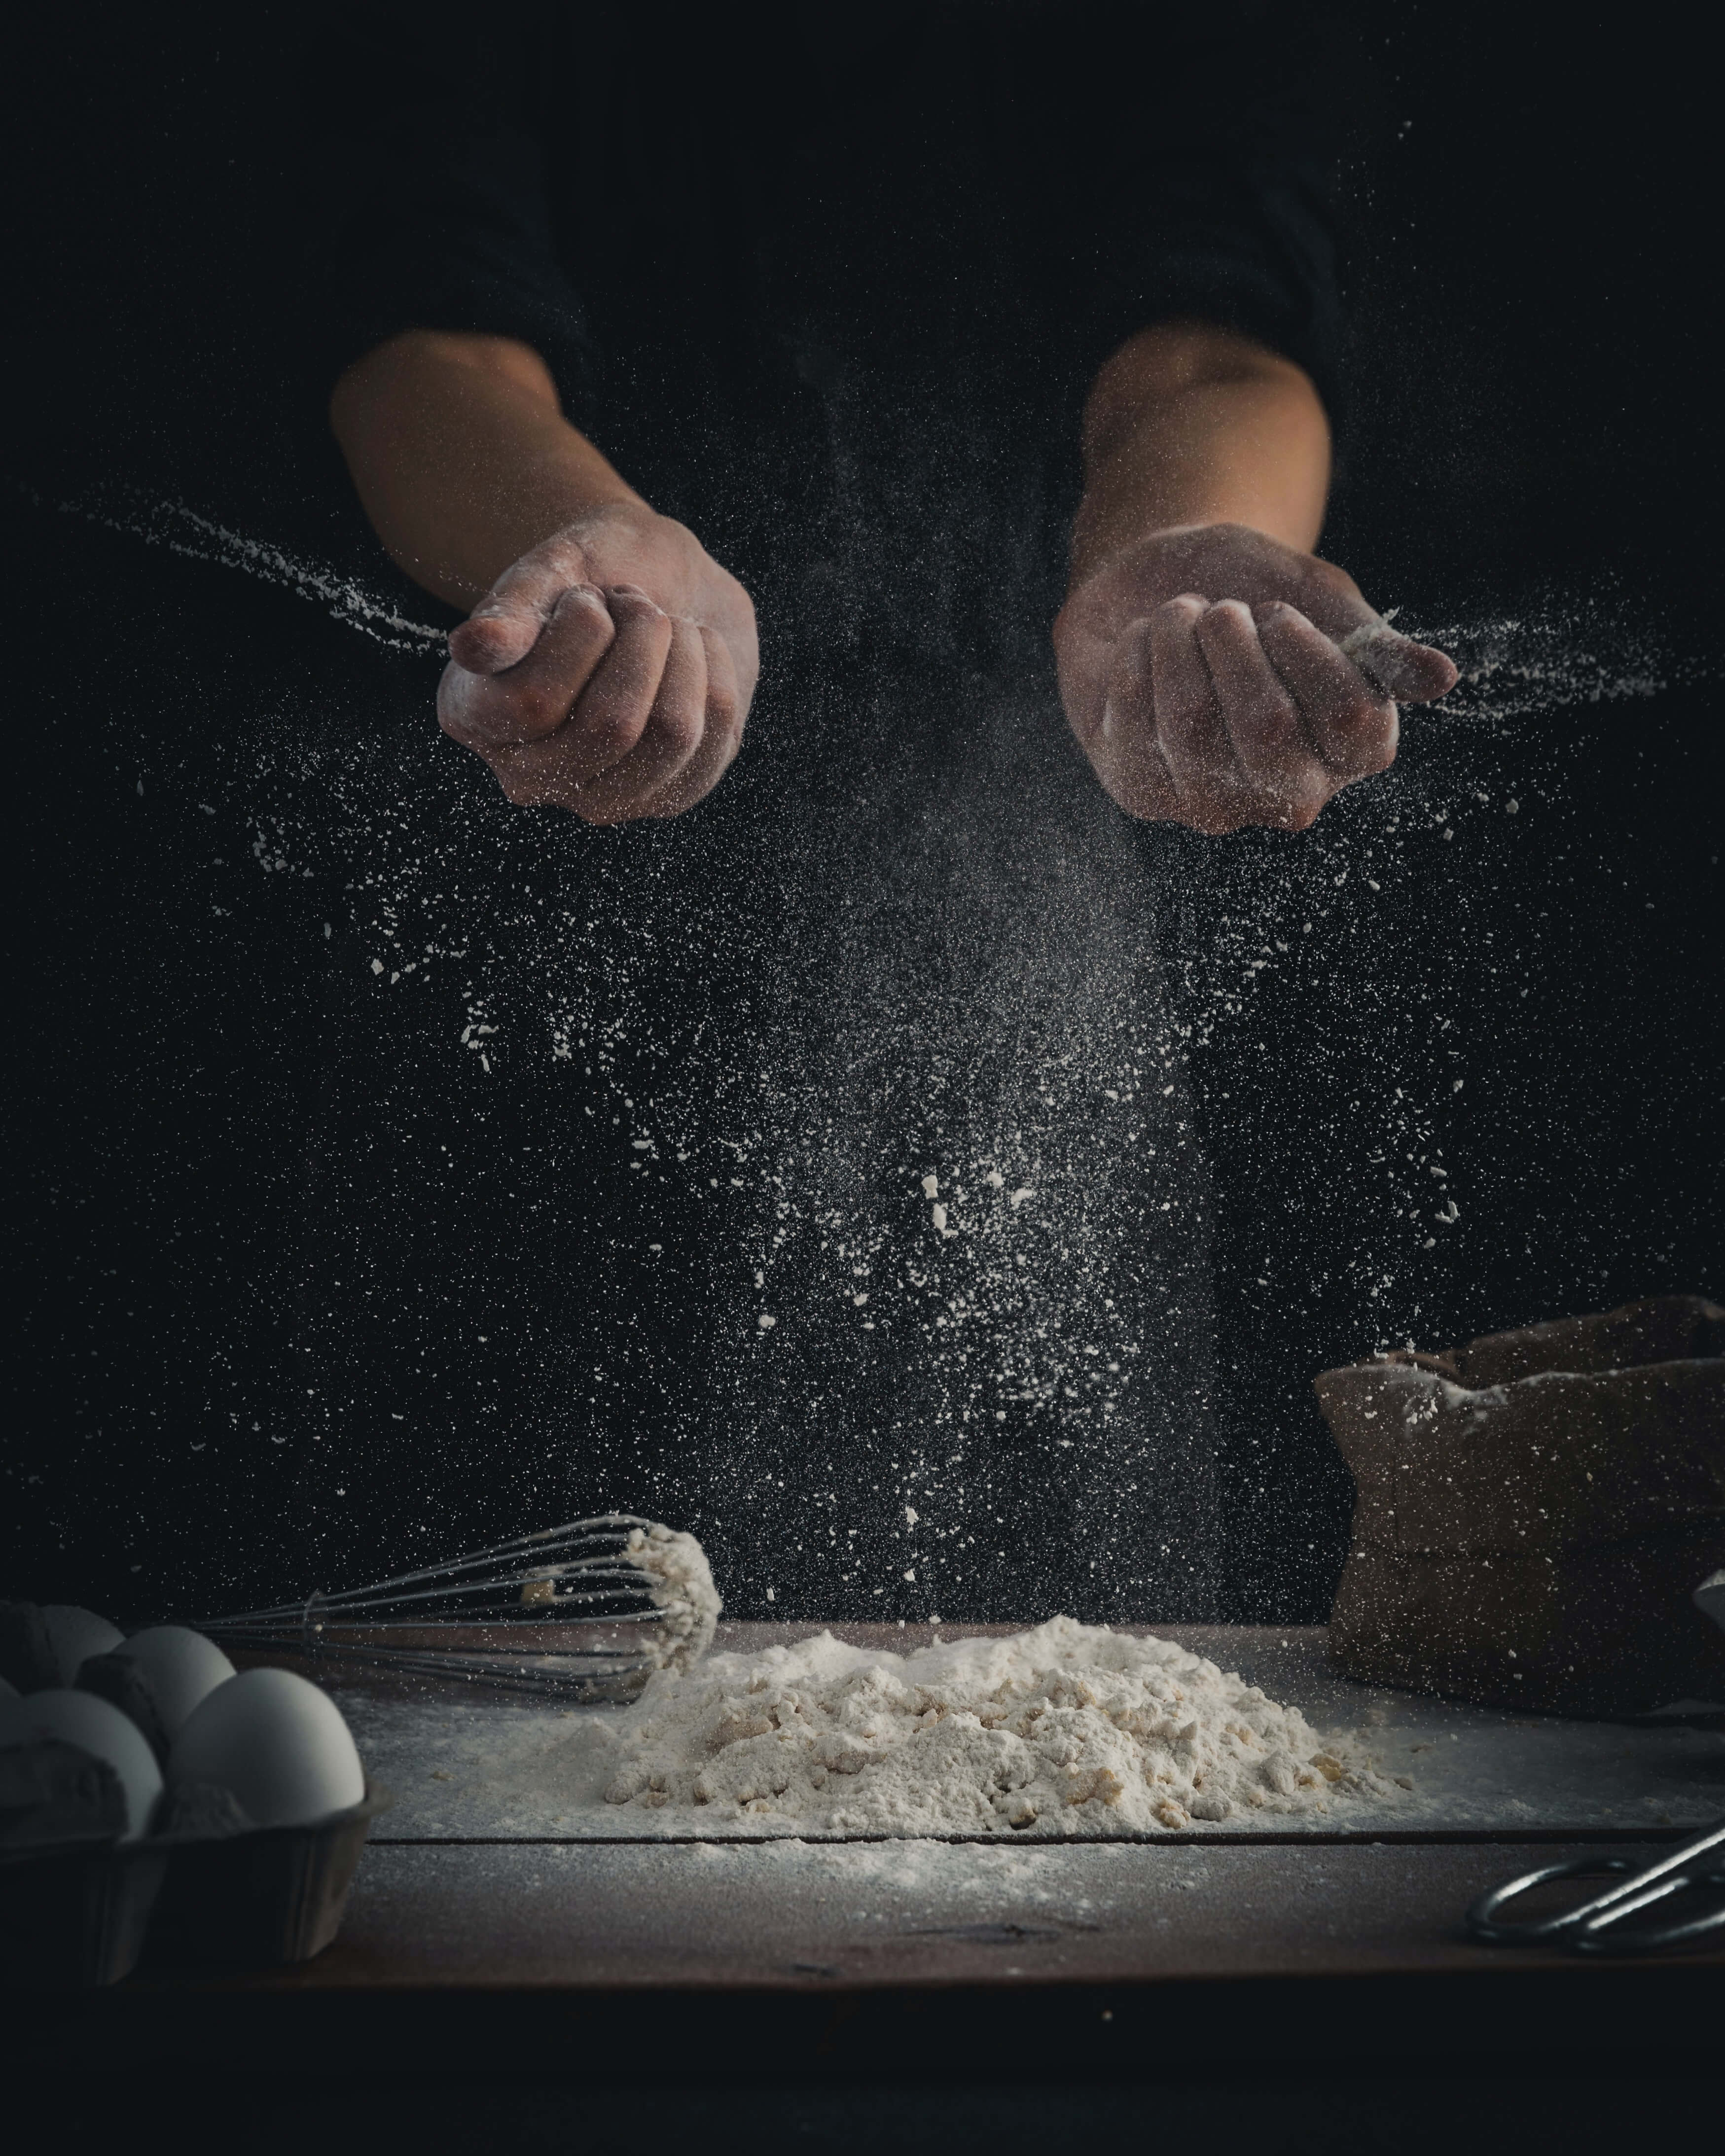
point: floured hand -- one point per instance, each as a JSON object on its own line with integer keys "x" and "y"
{"x": 1218, "y": 678}
{"x": 609, "y": 672}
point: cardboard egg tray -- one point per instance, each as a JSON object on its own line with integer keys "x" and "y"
{"x": 82, "y": 1912}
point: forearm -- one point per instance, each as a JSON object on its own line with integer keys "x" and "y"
{"x": 462, "y": 457}
{"x": 1189, "y": 424}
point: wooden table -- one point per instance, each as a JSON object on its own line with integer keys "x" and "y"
{"x": 480, "y": 1933}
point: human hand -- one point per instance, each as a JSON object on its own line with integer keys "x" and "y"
{"x": 1218, "y": 678}
{"x": 609, "y": 672}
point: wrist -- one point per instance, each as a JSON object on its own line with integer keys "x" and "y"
{"x": 1189, "y": 427}
{"x": 1106, "y": 532}
{"x": 463, "y": 458}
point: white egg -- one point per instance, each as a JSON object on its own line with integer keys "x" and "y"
{"x": 77, "y": 1718}
{"x": 278, "y": 1742}
{"x": 76, "y": 1634}
{"x": 180, "y": 1668}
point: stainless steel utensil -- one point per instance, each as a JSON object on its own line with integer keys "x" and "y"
{"x": 585, "y": 1611}
{"x": 1598, "y": 1925}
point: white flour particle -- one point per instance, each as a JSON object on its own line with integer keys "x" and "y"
{"x": 1068, "y": 1729}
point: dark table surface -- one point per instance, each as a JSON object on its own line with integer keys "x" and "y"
{"x": 485, "y": 1938}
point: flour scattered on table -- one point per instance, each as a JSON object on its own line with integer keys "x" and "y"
{"x": 1068, "y": 1729}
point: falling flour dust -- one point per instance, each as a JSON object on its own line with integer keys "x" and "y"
{"x": 1067, "y": 1729}
{"x": 941, "y": 1148}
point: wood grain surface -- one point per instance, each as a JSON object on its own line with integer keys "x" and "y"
{"x": 1084, "y": 1958}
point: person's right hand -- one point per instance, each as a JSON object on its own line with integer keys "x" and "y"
{"x": 609, "y": 672}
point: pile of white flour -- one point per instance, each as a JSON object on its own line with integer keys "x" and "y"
{"x": 1068, "y": 1729}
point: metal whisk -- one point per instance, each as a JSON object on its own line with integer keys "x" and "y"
{"x": 587, "y": 1611}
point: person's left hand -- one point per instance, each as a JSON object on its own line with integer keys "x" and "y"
{"x": 1218, "y": 678}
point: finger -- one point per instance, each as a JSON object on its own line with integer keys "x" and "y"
{"x": 721, "y": 737}
{"x": 670, "y": 738}
{"x": 1395, "y": 664}
{"x": 1207, "y": 777}
{"x": 1124, "y": 747}
{"x": 1286, "y": 783}
{"x": 1354, "y": 725}
{"x": 532, "y": 698}
{"x": 1415, "y": 672}
{"x": 613, "y": 713}
{"x": 608, "y": 718}
{"x": 503, "y": 627}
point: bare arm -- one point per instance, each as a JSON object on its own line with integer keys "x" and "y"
{"x": 462, "y": 457}
{"x": 1198, "y": 644}
{"x": 1187, "y": 424}
{"x": 608, "y": 664}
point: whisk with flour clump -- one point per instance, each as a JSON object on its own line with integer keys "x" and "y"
{"x": 585, "y": 1611}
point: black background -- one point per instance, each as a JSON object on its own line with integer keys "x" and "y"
{"x": 1531, "y": 435}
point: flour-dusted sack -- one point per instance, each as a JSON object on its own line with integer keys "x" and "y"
{"x": 1535, "y": 1509}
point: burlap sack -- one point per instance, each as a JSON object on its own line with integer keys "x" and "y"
{"x": 1535, "y": 1509}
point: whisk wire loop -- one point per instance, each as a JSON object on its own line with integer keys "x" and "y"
{"x": 615, "y": 1574}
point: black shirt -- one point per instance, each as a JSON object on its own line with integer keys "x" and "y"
{"x": 705, "y": 217}
{"x": 831, "y": 287}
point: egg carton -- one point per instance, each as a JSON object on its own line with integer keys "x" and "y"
{"x": 83, "y": 1911}
{"x": 74, "y": 1909}
{"x": 263, "y": 1897}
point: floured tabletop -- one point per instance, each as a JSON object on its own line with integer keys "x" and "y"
{"x": 472, "y": 1766}
{"x": 504, "y": 1911}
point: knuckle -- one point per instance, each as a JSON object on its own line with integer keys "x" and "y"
{"x": 1380, "y": 745}
{"x": 631, "y": 600}
{"x": 723, "y": 713}
{"x": 1369, "y": 737}
{"x": 681, "y": 727}
{"x": 474, "y": 637}
{"x": 610, "y": 731}
{"x": 561, "y": 553}
{"x": 1186, "y": 727}
{"x": 720, "y": 742}
{"x": 584, "y": 612}
{"x": 530, "y": 708}
{"x": 1273, "y": 725}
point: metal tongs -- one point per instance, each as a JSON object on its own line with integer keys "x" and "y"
{"x": 1598, "y": 1925}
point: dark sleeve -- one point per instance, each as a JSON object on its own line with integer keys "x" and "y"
{"x": 1187, "y": 162}
{"x": 425, "y": 203}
